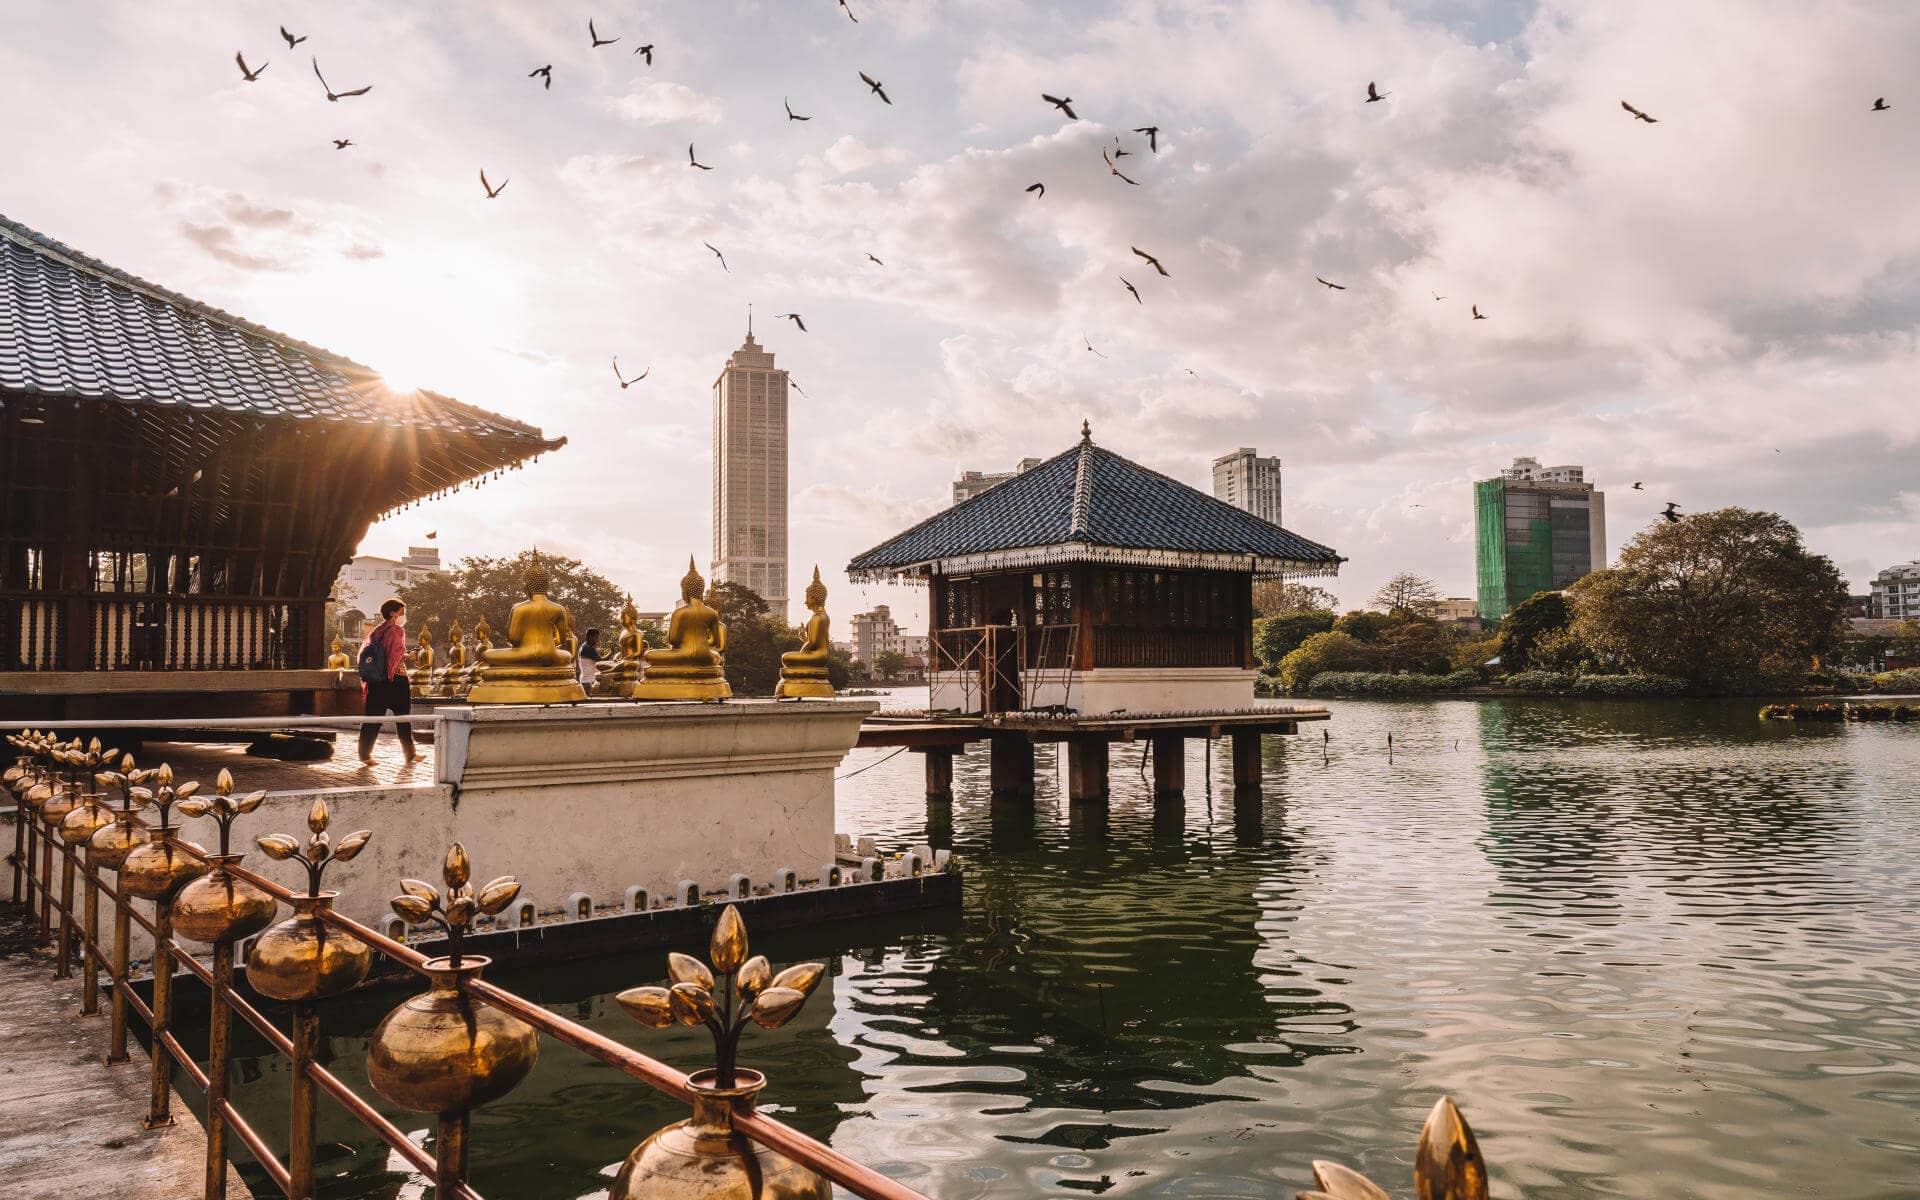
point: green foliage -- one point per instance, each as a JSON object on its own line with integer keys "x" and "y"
{"x": 490, "y": 587}
{"x": 1726, "y": 600}
{"x": 1898, "y": 681}
{"x": 1460, "y": 680}
{"x": 1472, "y": 655}
{"x": 1277, "y": 598}
{"x": 735, "y": 602}
{"x": 1560, "y": 650}
{"x": 1531, "y": 619}
{"x": 754, "y": 647}
{"x": 1276, "y": 637}
{"x": 1365, "y": 626}
{"x": 1407, "y": 595}
{"x": 1627, "y": 687}
{"x": 1539, "y": 681}
{"x": 1416, "y": 644}
{"x": 839, "y": 668}
{"x": 1375, "y": 683}
{"x": 1330, "y": 651}
{"x": 888, "y": 664}
{"x": 1905, "y": 642}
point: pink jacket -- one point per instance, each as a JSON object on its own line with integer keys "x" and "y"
{"x": 392, "y": 641}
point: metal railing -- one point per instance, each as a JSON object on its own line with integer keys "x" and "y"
{"x": 73, "y": 927}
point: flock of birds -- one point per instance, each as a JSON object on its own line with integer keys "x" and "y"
{"x": 1038, "y": 189}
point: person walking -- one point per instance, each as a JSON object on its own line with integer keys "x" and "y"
{"x": 383, "y": 678}
{"x": 587, "y": 660}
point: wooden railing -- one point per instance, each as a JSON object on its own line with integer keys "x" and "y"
{"x": 1119, "y": 647}
{"x": 135, "y": 631}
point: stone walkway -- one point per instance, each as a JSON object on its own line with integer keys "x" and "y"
{"x": 69, "y": 1126}
{"x": 203, "y": 760}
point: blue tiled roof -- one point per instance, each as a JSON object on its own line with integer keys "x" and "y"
{"x": 1094, "y": 498}
{"x": 72, "y": 326}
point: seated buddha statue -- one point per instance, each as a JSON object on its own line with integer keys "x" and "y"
{"x": 628, "y": 649}
{"x": 423, "y": 664}
{"x": 803, "y": 672}
{"x": 534, "y": 666}
{"x": 482, "y": 642}
{"x": 689, "y": 666}
{"x": 339, "y": 660}
{"x": 454, "y": 676}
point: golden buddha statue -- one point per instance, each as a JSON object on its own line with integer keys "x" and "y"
{"x": 534, "y": 667}
{"x": 455, "y": 674}
{"x": 616, "y": 679}
{"x": 689, "y": 666}
{"x": 339, "y": 660}
{"x": 803, "y": 672}
{"x": 423, "y": 664}
{"x": 482, "y": 642}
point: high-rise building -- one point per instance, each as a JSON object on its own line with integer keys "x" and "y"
{"x": 750, "y": 474}
{"x": 1537, "y": 529}
{"x": 1896, "y": 593}
{"x": 1249, "y": 483}
{"x": 972, "y": 483}
{"x": 875, "y": 633}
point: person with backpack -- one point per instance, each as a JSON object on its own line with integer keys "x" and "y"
{"x": 383, "y": 679}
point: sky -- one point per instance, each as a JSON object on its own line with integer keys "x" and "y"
{"x": 1721, "y": 305}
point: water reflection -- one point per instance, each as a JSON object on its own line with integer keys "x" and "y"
{"x": 1652, "y": 949}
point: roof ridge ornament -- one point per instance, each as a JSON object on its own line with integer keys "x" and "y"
{"x": 1086, "y": 432}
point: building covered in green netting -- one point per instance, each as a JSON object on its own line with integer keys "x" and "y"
{"x": 1536, "y": 529}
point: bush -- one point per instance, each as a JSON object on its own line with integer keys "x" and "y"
{"x": 1539, "y": 681}
{"x": 1898, "y": 681}
{"x": 1625, "y": 687}
{"x": 1459, "y": 680}
{"x": 1332, "y": 651}
{"x": 1276, "y": 637}
{"x": 1374, "y": 683}
{"x": 1473, "y": 655}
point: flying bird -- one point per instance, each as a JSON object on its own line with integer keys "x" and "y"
{"x": 546, "y": 71}
{"x": 694, "y": 162}
{"x": 245, "y": 74}
{"x": 432, "y": 533}
{"x": 342, "y": 143}
{"x": 794, "y": 317}
{"x": 1089, "y": 342}
{"x": 1153, "y": 136}
{"x": 646, "y": 50}
{"x": 1063, "y": 103}
{"x": 1133, "y": 289}
{"x": 333, "y": 96}
{"x": 720, "y": 256}
{"x": 873, "y": 83}
{"x": 1438, "y": 296}
{"x": 1881, "y": 105}
{"x": 1374, "y": 94}
{"x": 1037, "y": 187}
{"x": 792, "y": 115}
{"x": 491, "y": 190}
{"x": 1113, "y": 170}
{"x": 626, "y": 383}
{"x": 1638, "y": 486}
{"x": 850, "y": 16}
{"x": 1338, "y": 287}
{"x": 1638, "y": 114}
{"x": 1672, "y": 513}
{"x": 1119, "y": 151}
{"x": 292, "y": 41}
{"x": 1150, "y": 258}
{"x": 598, "y": 41}
{"x": 795, "y": 384}
{"x": 1476, "y": 313}
{"x": 876, "y": 262}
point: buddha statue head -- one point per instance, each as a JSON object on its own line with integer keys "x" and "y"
{"x": 816, "y": 592}
{"x": 338, "y": 646}
{"x": 536, "y": 580}
{"x": 629, "y": 615}
{"x": 692, "y": 587}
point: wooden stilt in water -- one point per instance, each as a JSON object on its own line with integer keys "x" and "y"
{"x": 1087, "y": 771}
{"x": 939, "y": 774}
{"x": 1246, "y": 766}
{"x": 1169, "y": 768}
{"x": 1011, "y": 765}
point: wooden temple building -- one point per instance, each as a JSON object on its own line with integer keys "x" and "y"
{"x": 180, "y": 488}
{"x": 1092, "y": 584}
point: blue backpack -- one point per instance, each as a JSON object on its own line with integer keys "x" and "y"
{"x": 373, "y": 664}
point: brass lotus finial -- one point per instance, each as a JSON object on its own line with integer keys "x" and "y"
{"x": 423, "y": 904}
{"x": 746, "y": 990}
{"x": 130, "y": 781}
{"x": 1447, "y": 1165}
{"x": 166, "y": 795}
{"x": 319, "y": 852}
{"x": 224, "y": 806}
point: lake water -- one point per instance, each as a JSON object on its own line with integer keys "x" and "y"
{"x": 1650, "y": 949}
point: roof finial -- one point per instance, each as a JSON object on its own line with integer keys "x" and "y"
{"x": 749, "y": 320}
{"x": 1086, "y": 432}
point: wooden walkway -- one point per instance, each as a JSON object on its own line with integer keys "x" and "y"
{"x": 69, "y": 1126}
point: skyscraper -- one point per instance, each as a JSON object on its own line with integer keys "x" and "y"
{"x": 750, "y": 474}
{"x": 1536, "y": 529}
{"x": 1249, "y": 483}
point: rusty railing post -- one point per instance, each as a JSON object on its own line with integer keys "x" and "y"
{"x": 90, "y": 950}
{"x": 46, "y": 881}
{"x": 450, "y": 1152}
{"x": 160, "y": 1102}
{"x": 20, "y": 860}
{"x": 219, "y": 1050}
{"x": 63, "y": 961}
{"x": 301, "y": 1130}
{"x": 117, "y": 973}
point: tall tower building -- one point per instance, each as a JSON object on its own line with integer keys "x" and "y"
{"x": 1536, "y": 529}
{"x": 750, "y": 473}
{"x": 1249, "y": 483}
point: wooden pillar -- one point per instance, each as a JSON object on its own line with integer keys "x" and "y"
{"x": 939, "y": 774}
{"x": 1246, "y": 764}
{"x": 1169, "y": 767}
{"x": 1011, "y": 766}
{"x": 1087, "y": 771}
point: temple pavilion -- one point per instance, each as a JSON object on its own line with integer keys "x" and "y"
{"x": 1090, "y": 583}
{"x": 181, "y": 488}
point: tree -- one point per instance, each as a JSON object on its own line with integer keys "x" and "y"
{"x": 1331, "y": 651}
{"x": 1276, "y": 637}
{"x": 490, "y": 587}
{"x": 1473, "y": 655}
{"x": 1905, "y": 643}
{"x": 1419, "y": 646}
{"x": 1723, "y": 599}
{"x": 1365, "y": 626}
{"x": 1278, "y": 597}
{"x": 839, "y": 668}
{"x": 1532, "y": 619}
{"x": 1407, "y": 595}
{"x": 888, "y": 664}
{"x": 735, "y": 602}
{"x": 755, "y": 638}
{"x": 1561, "y": 650}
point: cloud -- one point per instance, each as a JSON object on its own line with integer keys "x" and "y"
{"x": 659, "y": 102}
{"x": 223, "y": 243}
{"x": 238, "y": 231}
{"x": 850, "y": 155}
